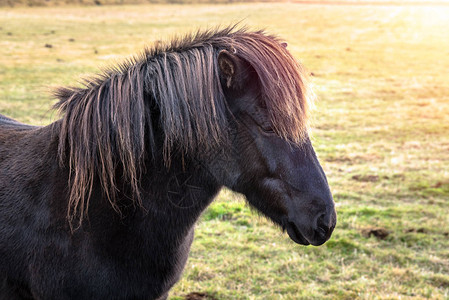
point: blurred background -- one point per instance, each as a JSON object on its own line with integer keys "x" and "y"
{"x": 380, "y": 128}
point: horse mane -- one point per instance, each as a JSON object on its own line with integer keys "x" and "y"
{"x": 172, "y": 88}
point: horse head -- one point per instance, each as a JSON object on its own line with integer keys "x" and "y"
{"x": 278, "y": 173}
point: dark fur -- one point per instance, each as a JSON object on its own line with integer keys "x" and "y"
{"x": 101, "y": 204}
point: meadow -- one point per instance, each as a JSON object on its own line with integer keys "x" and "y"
{"x": 380, "y": 128}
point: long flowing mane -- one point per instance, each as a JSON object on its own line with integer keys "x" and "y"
{"x": 173, "y": 88}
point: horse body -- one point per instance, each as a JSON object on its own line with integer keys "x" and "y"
{"x": 102, "y": 203}
{"x": 138, "y": 255}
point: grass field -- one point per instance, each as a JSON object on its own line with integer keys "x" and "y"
{"x": 381, "y": 131}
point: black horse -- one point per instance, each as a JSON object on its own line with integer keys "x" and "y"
{"x": 102, "y": 203}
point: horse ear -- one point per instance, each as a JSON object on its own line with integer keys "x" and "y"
{"x": 228, "y": 66}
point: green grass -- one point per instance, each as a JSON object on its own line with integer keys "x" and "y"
{"x": 380, "y": 128}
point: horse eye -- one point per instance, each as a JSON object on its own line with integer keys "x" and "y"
{"x": 269, "y": 130}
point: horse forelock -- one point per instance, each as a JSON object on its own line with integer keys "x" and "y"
{"x": 283, "y": 81}
{"x": 108, "y": 123}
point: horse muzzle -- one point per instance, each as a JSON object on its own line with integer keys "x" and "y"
{"x": 316, "y": 232}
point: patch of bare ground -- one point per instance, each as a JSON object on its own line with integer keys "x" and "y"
{"x": 378, "y": 232}
{"x": 199, "y": 296}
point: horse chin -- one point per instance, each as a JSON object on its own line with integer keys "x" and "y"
{"x": 294, "y": 234}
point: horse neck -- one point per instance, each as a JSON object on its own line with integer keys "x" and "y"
{"x": 172, "y": 201}
{"x": 176, "y": 196}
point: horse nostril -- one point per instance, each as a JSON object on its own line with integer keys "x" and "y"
{"x": 320, "y": 221}
{"x": 323, "y": 227}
